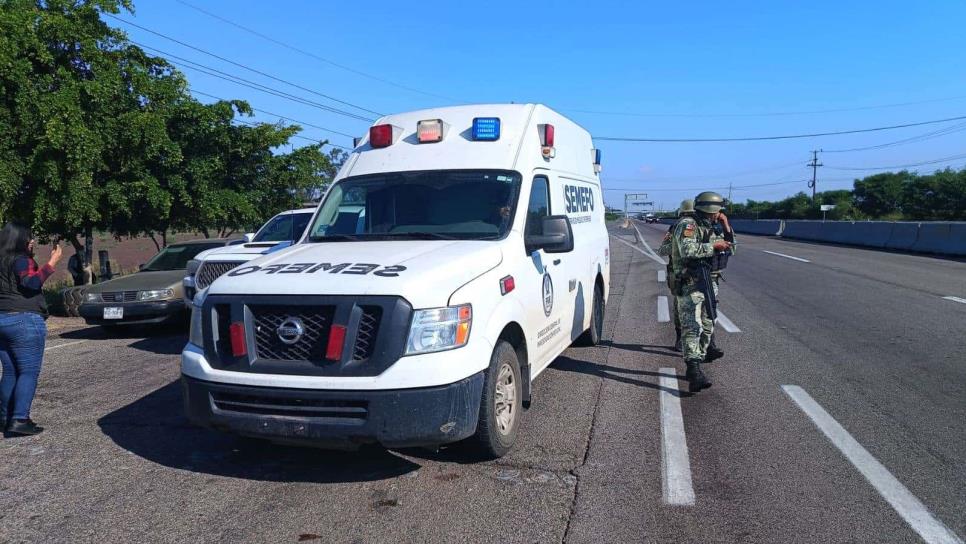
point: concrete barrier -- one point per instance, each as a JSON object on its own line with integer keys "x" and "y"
{"x": 941, "y": 238}
{"x": 766, "y": 227}
{"x": 903, "y": 236}
{"x": 803, "y": 230}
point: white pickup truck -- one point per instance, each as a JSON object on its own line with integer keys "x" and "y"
{"x": 277, "y": 233}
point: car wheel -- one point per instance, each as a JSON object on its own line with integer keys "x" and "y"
{"x": 501, "y": 403}
{"x": 592, "y": 336}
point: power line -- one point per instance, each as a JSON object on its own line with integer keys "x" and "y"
{"x": 900, "y": 166}
{"x": 214, "y": 72}
{"x": 705, "y": 188}
{"x": 313, "y": 140}
{"x": 308, "y": 53}
{"x": 764, "y": 114}
{"x": 959, "y": 127}
{"x": 277, "y": 115}
{"x": 242, "y": 66}
{"x": 782, "y": 137}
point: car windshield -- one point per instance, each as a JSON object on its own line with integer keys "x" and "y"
{"x": 176, "y": 257}
{"x": 442, "y": 204}
{"x": 283, "y": 228}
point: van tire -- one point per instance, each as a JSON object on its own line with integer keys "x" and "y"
{"x": 591, "y": 337}
{"x": 497, "y": 430}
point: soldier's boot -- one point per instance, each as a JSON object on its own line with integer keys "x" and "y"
{"x": 677, "y": 339}
{"x": 696, "y": 378}
{"x": 713, "y": 352}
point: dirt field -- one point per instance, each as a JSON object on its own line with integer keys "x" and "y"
{"x": 129, "y": 253}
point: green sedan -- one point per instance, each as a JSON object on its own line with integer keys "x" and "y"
{"x": 152, "y": 295}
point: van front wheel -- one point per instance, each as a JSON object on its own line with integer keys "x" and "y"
{"x": 591, "y": 336}
{"x": 501, "y": 404}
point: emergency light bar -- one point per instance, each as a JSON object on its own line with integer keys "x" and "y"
{"x": 429, "y": 131}
{"x": 546, "y": 135}
{"x": 597, "y": 166}
{"x": 486, "y": 129}
{"x": 383, "y": 135}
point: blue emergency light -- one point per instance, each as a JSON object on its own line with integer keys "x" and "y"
{"x": 486, "y": 129}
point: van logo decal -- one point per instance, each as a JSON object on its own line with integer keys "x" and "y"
{"x": 578, "y": 199}
{"x": 547, "y": 295}
{"x": 290, "y": 331}
{"x": 359, "y": 269}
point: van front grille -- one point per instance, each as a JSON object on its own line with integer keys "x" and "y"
{"x": 366, "y": 337}
{"x": 310, "y": 346}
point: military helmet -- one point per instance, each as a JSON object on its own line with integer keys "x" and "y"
{"x": 709, "y": 202}
{"x": 687, "y": 206}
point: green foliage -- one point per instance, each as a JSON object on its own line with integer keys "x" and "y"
{"x": 891, "y": 196}
{"x": 100, "y": 135}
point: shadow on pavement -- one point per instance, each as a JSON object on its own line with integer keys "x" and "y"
{"x": 154, "y": 427}
{"x": 95, "y": 332}
{"x": 566, "y": 364}
{"x": 664, "y": 351}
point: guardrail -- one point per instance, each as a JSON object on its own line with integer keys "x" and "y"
{"x": 943, "y": 238}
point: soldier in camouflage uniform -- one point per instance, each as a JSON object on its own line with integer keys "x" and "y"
{"x": 695, "y": 242}
{"x": 686, "y": 210}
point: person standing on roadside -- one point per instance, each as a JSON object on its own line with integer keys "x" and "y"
{"x": 722, "y": 228}
{"x": 686, "y": 210}
{"x": 23, "y": 331}
{"x": 694, "y": 245}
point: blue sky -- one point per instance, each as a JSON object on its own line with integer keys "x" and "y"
{"x": 629, "y": 69}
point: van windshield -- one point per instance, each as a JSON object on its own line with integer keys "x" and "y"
{"x": 439, "y": 204}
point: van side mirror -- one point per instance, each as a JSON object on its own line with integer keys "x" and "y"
{"x": 249, "y": 236}
{"x": 557, "y": 237}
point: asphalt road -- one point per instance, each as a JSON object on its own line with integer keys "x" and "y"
{"x": 866, "y": 336}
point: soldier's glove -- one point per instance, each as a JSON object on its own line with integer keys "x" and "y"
{"x": 721, "y": 245}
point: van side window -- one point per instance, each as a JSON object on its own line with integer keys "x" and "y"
{"x": 539, "y": 206}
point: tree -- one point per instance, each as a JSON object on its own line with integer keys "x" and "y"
{"x": 881, "y": 194}
{"x": 80, "y": 109}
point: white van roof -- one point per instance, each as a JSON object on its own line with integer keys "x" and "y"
{"x": 518, "y": 148}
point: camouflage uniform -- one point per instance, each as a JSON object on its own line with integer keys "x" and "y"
{"x": 692, "y": 240}
{"x": 665, "y": 251}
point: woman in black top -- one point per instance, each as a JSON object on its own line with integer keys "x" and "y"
{"x": 23, "y": 331}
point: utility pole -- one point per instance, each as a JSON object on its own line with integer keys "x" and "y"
{"x": 729, "y": 191}
{"x": 814, "y": 164}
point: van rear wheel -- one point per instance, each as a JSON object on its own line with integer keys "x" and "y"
{"x": 501, "y": 403}
{"x": 592, "y": 336}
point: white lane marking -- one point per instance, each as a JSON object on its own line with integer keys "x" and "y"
{"x": 675, "y": 463}
{"x": 641, "y": 251}
{"x": 956, "y": 299}
{"x": 897, "y": 495}
{"x": 663, "y": 313}
{"x": 65, "y": 345}
{"x": 650, "y": 251}
{"x": 726, "y": 323}
{"x": 661, "y": 276}
{"x": 787, "y": 256}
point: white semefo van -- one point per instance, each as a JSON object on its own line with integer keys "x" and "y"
{"x": 458, "y": 253}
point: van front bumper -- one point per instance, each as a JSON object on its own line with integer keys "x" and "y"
{"x": 342, "y": 419}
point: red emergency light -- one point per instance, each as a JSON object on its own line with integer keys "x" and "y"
{"x": 333, "y": 351}
{"x": 236, "y": 332}
{"x": 546, "y": 137}
{"x": 380, "y": 136}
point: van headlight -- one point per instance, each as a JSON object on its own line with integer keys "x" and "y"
{"x": 439, "y": 329}
{"x": 92, "y": 297}
{"x": 195, "y": 335}
{"x": 157, "y": 294}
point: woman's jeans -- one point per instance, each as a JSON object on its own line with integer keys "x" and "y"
{"x": 22, "y": 337}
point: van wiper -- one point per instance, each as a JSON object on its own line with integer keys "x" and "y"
{"x": 420, "y": 235}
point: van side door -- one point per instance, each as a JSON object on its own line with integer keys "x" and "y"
{"x": 544, "y": 286}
